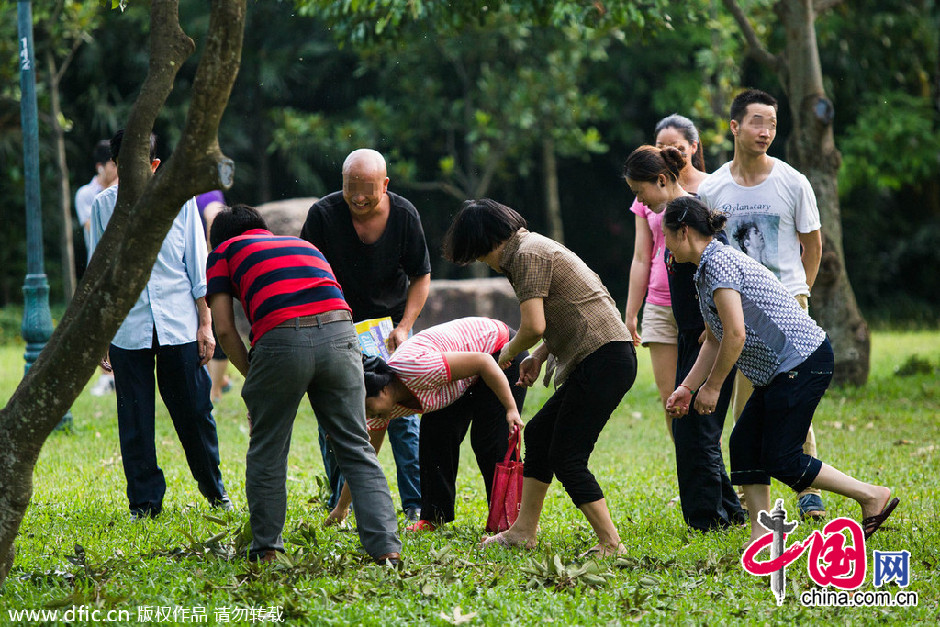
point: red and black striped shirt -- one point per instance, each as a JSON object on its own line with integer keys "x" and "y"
{"x": 275, "y": 277}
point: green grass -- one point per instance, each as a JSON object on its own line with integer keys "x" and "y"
{"x": 78, "y": 546}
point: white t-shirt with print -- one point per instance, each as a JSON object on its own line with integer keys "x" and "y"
{"x": 764, "y": 219}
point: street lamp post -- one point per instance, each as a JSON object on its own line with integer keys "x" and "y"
{"x": 37, "y": 319}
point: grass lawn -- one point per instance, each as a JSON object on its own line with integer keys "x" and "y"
{"x": 78, "y": 546}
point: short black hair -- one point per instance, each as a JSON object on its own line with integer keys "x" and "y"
{"x": 695, "y": 214}
{"x": 479, "y": 227}
{"x": 741, "y": 233}
{"x": 115, "y": 145}
{"x": 102, "y": 151}
{"x": 378, "y": 374}
{"x": 748, "y": 97}
{"x": 233, "y": 221}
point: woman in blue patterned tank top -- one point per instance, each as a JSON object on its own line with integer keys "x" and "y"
{"x": 754, "y": 323}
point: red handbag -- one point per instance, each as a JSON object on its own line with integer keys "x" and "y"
{"x": 506, "y": 496}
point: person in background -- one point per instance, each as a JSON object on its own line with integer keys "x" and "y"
{"x": 648, "y": 274}
{"x": 756, "y": 188}
{"x": 169, "y": 325}
{"x": 209, "y": 205}
{"x": 706, "y": 495}
{"x": 375, "y": 244}
{"x": 303, "y": 343}
{"x": 563, "y": 302}
{"x": 752, "y": 320}
{"x": 105, "y": 176}
{"x": 448, "y": 373}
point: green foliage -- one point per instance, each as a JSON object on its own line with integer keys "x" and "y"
{"x": 871, "y": 49}
{"x": 455, "y": 109}
{"x": 362, "y": 21}
{"x": 460, "y": 97}
{"x": 78, "y": 546}
{"x": 910, "y": 125}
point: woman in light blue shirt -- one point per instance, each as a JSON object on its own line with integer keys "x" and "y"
{"x": 754, "y": 322}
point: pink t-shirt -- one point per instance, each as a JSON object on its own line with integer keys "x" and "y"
{"x": 420, "y": 364}
{"x": 658, "y": 291}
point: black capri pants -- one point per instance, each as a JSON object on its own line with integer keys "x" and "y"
{"x": 561, "y": 436}
{"x": 443, "y": 431}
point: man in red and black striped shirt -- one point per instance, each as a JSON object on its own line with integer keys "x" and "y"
{"x": 303, "y": 342}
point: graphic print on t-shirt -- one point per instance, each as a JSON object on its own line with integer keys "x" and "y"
{"x": 754, "y": 233}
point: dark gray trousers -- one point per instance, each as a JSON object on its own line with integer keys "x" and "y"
{"x": 325, "y": 364}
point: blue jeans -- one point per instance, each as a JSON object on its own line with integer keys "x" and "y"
{"x": 404, "y": 436}
{"x": 325, "y": 364}
{"x": 184, "y": 387}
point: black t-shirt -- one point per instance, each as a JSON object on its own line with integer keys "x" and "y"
{"x": 682, "y": 291}
{"x": 374, "y": 277}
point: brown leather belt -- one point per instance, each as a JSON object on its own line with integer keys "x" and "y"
{"x": 316, "y": 320}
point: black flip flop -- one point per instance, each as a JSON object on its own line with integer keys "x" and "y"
{"x": 873, "y": 523}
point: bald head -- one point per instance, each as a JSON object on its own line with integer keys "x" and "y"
{"x": 365, "y": 160}
{"x": 365, "y": 182}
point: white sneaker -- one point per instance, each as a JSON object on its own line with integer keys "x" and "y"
{"x": 104, "y": 385}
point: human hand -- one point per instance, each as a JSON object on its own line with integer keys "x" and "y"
{"x": 395, "y": 339}
{"x": 205, "y": 344}
{"x": 506, "y": 356}
{"x": 701, "y": 338}
{"x": 707, "y": 399}
{"x": 529, "y": 371}
{"x": 677, "y": 405}
{"x": 335, "y": 517}
{"x": 105, "y": 362}
{"x": 514, "y": 419}
{"x": 631, "y": 323}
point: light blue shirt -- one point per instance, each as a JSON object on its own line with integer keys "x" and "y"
{"x": 178, "y": 278}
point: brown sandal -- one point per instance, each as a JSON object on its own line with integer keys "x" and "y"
{"x": 873, "y": 523}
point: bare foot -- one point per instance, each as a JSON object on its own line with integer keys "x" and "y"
{"x": 506, "y": 541}
{"x": 876, "y": 502}
{"x": 755, "y": 536}
{"x": 604, "y": 550}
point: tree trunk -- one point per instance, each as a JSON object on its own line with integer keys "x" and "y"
{"x": 67, "y": 249}
{"x": 147, "y": 205}
{"x": 556, "y": 227}
{"x": 811, "y": 150}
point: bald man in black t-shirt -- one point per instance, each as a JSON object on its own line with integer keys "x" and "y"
{"x": 375, "y": 244}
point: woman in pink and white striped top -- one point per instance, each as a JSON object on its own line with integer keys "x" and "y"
{"x": 449, "y": 374}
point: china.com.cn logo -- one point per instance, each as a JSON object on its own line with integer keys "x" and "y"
{"x": 834, "y": 558}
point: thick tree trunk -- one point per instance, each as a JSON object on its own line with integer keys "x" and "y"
{"x": 121, "y": 266}
{"x": 67, "y": 249}
{"x": 556, "y": 227}
{"x": 812, "y": 151}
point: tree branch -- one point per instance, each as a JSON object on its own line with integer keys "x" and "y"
{"x": 57, "y": 77}
{"x": 756, "y": 47}
{"x": 121, "y": 266}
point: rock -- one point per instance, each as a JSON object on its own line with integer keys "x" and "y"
{"x": 286, "y": 217}
{"x": 450, "y": 299}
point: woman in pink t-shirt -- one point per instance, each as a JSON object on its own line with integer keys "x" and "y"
{"x": 449, "y": 374}
{"x": 648, "y": 274}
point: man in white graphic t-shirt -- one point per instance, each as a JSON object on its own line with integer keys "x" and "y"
{"x": 772, "y": 217}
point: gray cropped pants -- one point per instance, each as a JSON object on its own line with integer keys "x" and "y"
{"x": 325, "y": 364}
